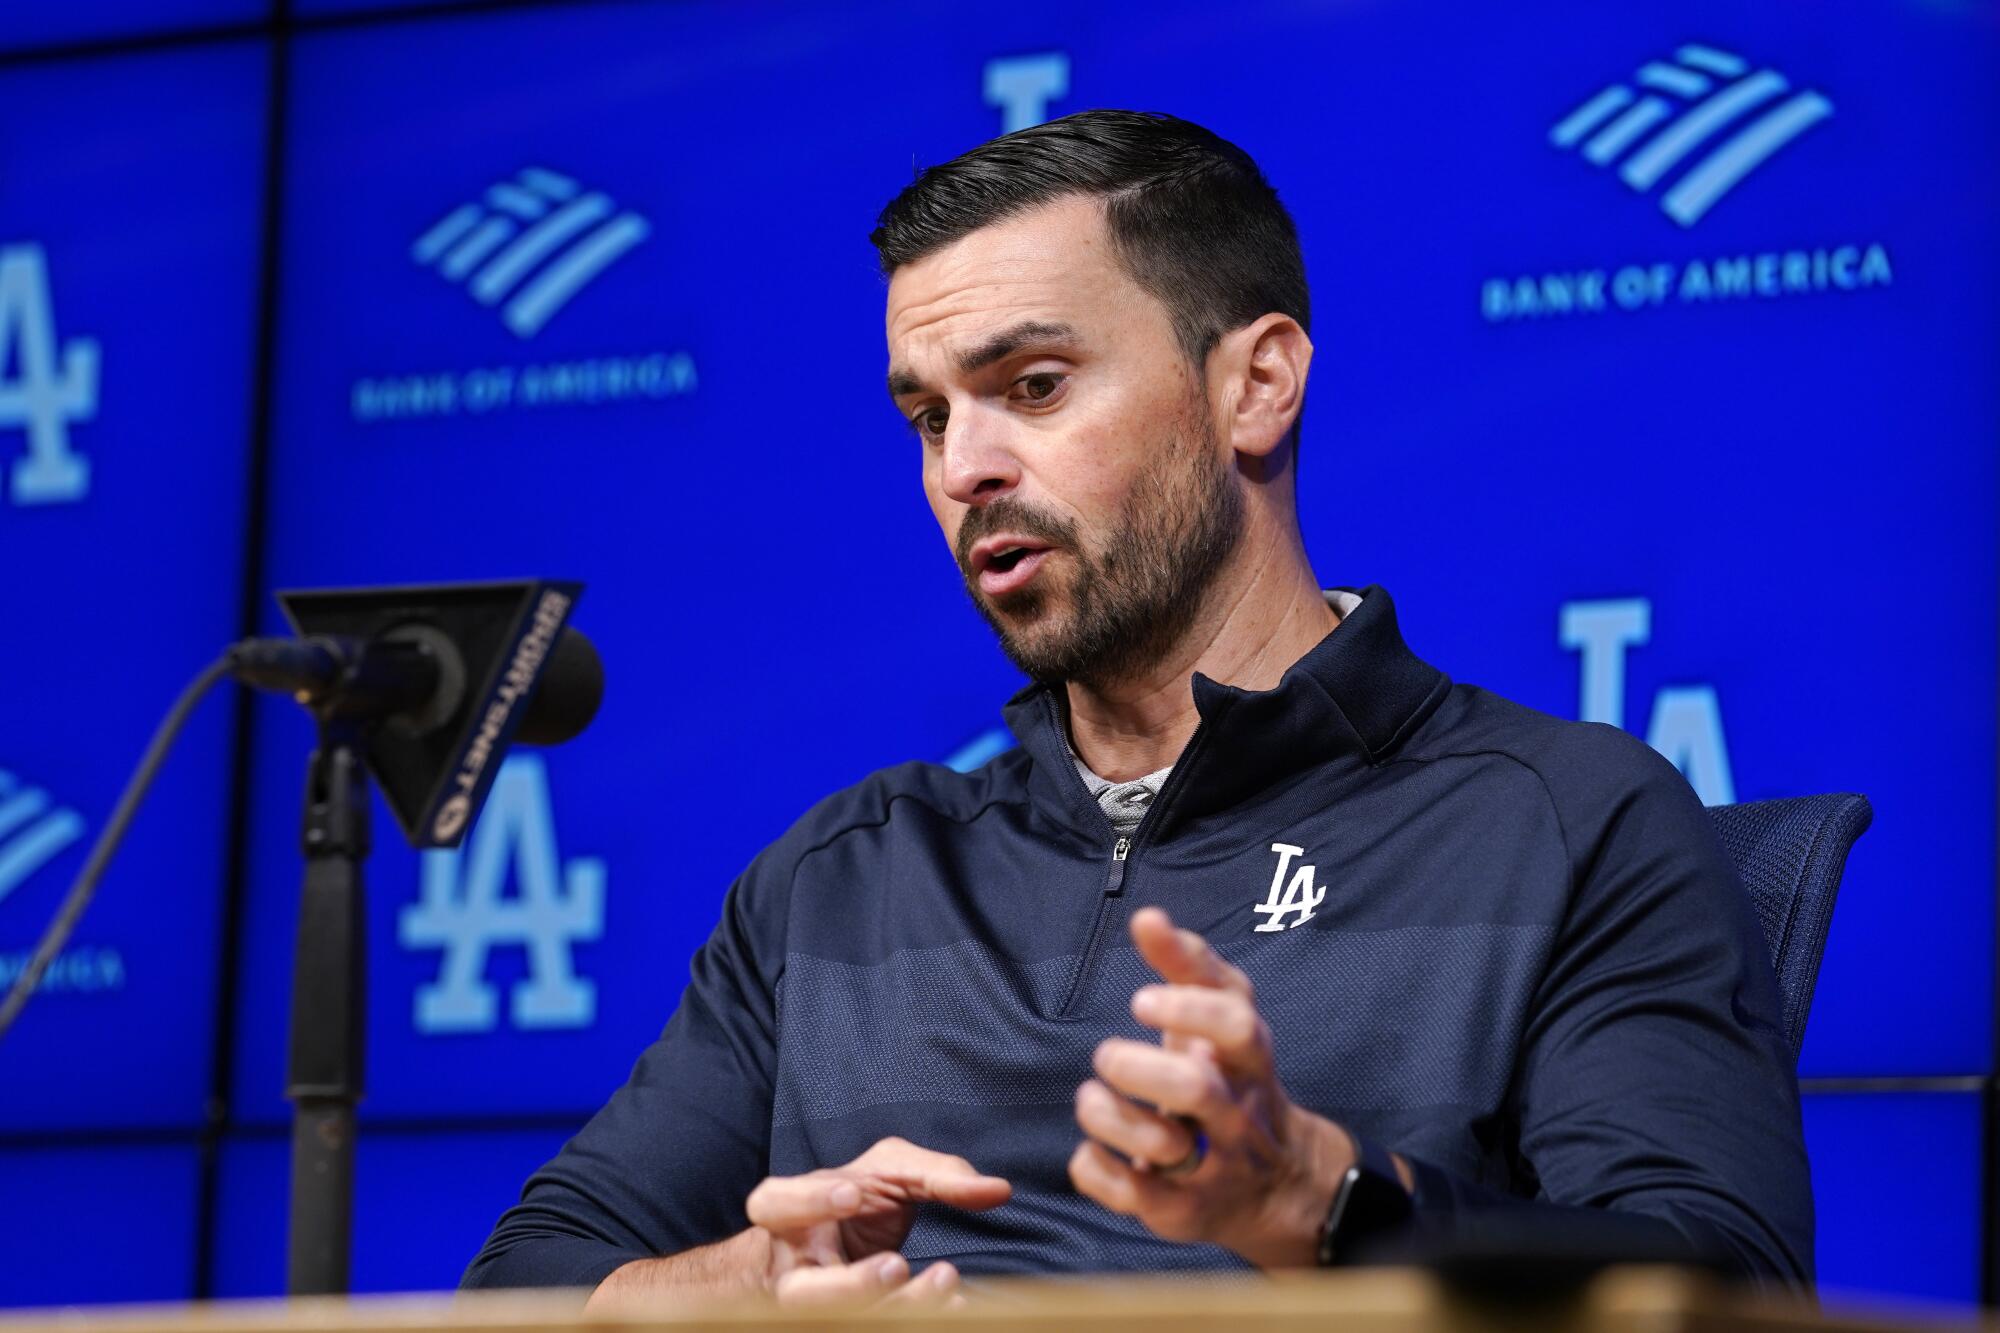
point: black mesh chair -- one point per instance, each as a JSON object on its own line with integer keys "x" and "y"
{"x": 1789, "y": 854}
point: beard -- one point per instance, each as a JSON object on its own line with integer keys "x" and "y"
{"x": 1126, "y": 605}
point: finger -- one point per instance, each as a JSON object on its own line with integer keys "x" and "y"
{"x": 933, "y": 1176}
{"x": 974, "y": 1192}
{"x": 1181, "y": 956}
{"x": 935, "y": 1287}
{"x": 843, "y": 1284}
{"x": 1224, "y": 1021}
{"x": 814, "y": 1246}
{"x": 1099, "y": 1175}
{"x": 793, "y": 1203}
{"x": 1173, "y": 1081}
{"x": 1199, "y": 1047}
{"x": 1142, "y": 1135}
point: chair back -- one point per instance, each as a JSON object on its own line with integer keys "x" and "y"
{"x": 1790, "y": 853}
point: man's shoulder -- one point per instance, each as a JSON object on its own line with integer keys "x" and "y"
{"x": 1588, "y": 764}
{"x": 912, "y": 792}
{"x": 1622, "y": 809}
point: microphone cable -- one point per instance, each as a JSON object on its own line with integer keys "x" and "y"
{"x": 81, "y": 892}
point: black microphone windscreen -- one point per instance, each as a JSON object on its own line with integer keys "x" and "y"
{"x": 566, "y": 697}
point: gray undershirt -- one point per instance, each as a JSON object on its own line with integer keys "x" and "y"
{"x": 1124, "y": 803}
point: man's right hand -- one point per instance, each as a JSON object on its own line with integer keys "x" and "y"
{"x": 829, "y": 1236}
{"x": 835, "y": 1233}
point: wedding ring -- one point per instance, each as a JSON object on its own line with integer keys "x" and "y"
{"x": 1195, "y": 1155}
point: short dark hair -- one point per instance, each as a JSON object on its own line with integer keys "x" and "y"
{"x": 1191, "y": 217}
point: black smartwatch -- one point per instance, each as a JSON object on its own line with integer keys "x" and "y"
{"x": 1370, "y": 1200}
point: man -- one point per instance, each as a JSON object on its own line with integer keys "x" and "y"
{"x": 1267, "y": 935}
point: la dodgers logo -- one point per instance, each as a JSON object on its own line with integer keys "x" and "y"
{"x": 1300, "y": 897}
{"x": 463, "y": 911}
{"x": 54, "y": 384}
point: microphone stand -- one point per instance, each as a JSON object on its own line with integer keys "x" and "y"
{"x": 324, "y": 1080}
{"x": 451, "y": 670}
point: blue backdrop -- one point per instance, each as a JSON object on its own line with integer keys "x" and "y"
{"x": 129, "y": 241}
{"x": 1655, "y": 378}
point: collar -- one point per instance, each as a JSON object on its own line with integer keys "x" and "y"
{"x": 1125, "y": 804}
{"x": 1353, "y": 699}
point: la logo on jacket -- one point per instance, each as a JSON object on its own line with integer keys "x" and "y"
{"x": 1298, "y": 898}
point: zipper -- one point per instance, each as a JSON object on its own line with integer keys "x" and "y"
{"x": 1121, "y": 852}
{"x": 1114, "y": 885}
{"x": 1116, "y": 880}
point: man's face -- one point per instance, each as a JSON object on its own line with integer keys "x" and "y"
{"x": 1069, "y": 454}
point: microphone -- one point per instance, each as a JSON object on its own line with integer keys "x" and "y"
{"x": 431, "y": 684}
{"x": 413, "y": 677}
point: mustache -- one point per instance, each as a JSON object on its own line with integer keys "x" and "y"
{"x": 1009, "y": 515}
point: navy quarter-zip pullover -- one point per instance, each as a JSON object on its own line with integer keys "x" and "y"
{"x": 1507, "y": 946}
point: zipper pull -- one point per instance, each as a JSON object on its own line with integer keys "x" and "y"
{"x": 1116, "y": 879}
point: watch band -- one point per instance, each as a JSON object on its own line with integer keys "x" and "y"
{"x": 1370, "y": 1199}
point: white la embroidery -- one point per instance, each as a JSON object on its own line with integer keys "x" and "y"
{"x": 1302, "y": 895}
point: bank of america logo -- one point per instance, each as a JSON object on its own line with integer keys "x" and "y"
{"x": 532, "y": 242}
{"x": 1687, "y": 105}
{"x": 33, "y": 828}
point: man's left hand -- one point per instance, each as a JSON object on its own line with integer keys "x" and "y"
{"x": 1262, "y": 1181}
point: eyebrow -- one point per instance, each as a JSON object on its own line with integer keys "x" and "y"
{"x": 999, "y": 347}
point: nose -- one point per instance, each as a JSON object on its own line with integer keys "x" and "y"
{"x": 978, "y": 466}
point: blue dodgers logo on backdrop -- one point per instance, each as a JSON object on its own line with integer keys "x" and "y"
{"x": 468, "y": 241}
{"x": 1021, "y": 87}
{"x": 1686, "y": 725}
{"x": 463, "y": 912}
{"x": 54, "y": 384}
{"x": 1704, "y": 123}
{"x": 1687, "y": 103}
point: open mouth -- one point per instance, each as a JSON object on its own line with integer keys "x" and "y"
{"x": 1007, "y": 567}
{"x": 1008, "y": 558}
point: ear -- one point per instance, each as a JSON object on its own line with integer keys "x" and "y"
{"x": 1259, "y": 373}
